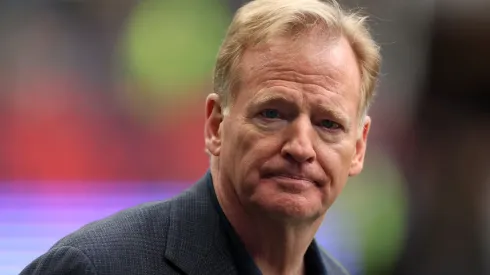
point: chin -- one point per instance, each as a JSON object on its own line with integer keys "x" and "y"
{"x": 291, "y": 207}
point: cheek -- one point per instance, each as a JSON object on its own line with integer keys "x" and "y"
{"x": 335, "y": 161}
{"x": 242, "y": 145}
{"x": 249, "y": 151}
{"x": 250, "y": 140}
{"x": 257, "y": 149}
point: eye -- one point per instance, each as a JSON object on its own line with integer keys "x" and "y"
{"x": 329, "y": 124}
{"x": 270, "y": 114}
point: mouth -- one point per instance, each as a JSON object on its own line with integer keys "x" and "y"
{"x": 294, "y": 177}
{"x": 292, "y": 180}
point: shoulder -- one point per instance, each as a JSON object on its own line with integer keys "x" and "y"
{"x": 127, "y": 242}
{"x": 332, "y": 266}
{"x": 126, "y": 228}
{"x": 143, "y": 225}
{"x": 61, "y": 260}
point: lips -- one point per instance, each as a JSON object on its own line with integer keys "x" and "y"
{"x": 292, "y": 178}
{"x": 294, "y": 184}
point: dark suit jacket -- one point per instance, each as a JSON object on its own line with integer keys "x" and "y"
{"x": 178, "y": 236}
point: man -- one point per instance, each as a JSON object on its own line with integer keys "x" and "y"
{"x": 285, "y": 128}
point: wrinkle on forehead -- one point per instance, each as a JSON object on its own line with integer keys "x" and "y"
{"x": 313, "y": 82}
{"x": 317, "y": 61}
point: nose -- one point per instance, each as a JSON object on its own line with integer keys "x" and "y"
{"x": 299, "y": 141}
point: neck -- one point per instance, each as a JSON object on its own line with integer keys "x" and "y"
{"x": 277, "y": 246}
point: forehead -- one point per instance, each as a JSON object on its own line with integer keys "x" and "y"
{"x": 314, "y": 63}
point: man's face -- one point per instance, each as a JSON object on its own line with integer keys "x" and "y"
{"x": 292, "y": 136}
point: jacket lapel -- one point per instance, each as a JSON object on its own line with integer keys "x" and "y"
{"x": 196, "y": 243}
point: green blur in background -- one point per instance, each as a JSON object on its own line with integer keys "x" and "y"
{"x": 172, "y": 45}
{"x": 375, "y": 200}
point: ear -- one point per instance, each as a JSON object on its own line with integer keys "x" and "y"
{"x": 361, "y": 142}
{"x": 212, "y": 130}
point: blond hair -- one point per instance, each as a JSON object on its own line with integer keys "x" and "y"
{"x": 260, "y": 20}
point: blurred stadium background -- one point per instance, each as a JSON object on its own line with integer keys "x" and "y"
{"x": 101, "y": 108}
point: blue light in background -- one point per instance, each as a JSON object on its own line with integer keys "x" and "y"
{"x": 31, "y": 222}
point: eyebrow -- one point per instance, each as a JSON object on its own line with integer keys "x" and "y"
{"x": 336, "y": 115}
{"x": 273, "y": 98}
